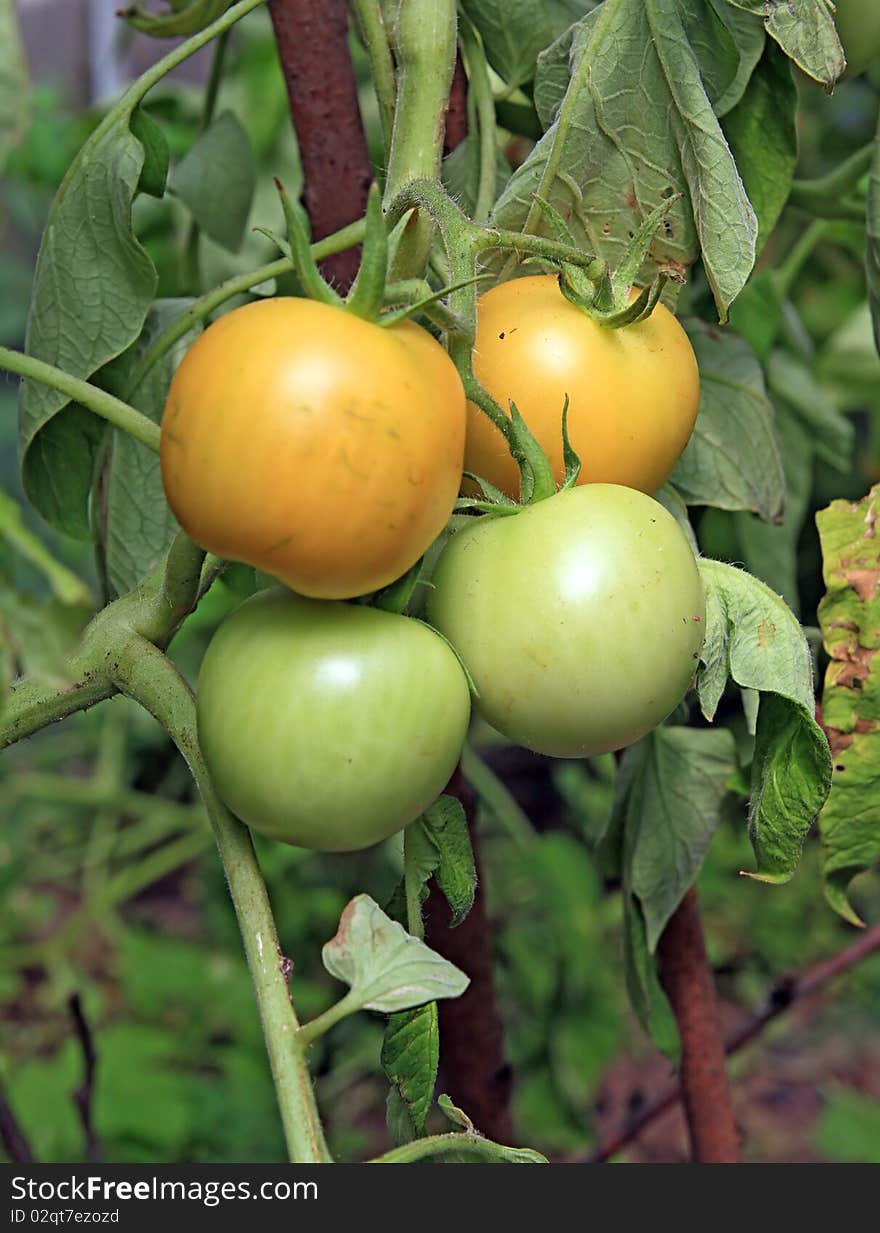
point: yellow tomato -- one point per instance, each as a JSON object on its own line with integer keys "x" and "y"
{"x": 633, "y": 392}
{"x": 319, "y": 447}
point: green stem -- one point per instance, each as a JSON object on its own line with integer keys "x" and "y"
{"x": 145, "y": 674}
{"x": 801, "y": 251}
{"x": 152, "y": 868}
{"x": 65, "y": 584}
{"x": 844, "y": 177}
{"x": 33, "y": 705}
{"x": 316, "y": 1027}
{"x": 178, "y": 593}
{"x": 424, "y": 38}
{"x": 202, "y": 308}
{"x": 412, "y": 885}
{"x": 457, "y": 1141}
{"x": 116, "y": 412}
{"x": 496, "y": 798}
{"x": 481, "y": 89}
{"x": 190, "y": 261}
{"x": 372, "y": 24}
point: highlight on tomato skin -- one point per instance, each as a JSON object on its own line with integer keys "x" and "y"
{"x": 580, "y": 619}
{"x": 319, "y": 447}
{"x": 329, "y": 725}
{"x": 633, "y": 392}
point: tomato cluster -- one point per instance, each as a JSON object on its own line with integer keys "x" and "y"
{"x": 328, "y": 451}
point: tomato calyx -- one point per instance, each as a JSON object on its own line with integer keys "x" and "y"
{"x": 605, "y": 293}
{"x": 537, "y": 481}
{"x": 371, "y": 297}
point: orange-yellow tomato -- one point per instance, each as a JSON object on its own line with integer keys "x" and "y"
{"x": 633, "y": 392}
{"x": 319, "y": 447}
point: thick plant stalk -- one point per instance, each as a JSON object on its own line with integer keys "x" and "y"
{"x": 687, "y": 979}
{"x": 423, "y": 38}
{"x": 312, "y": 38}
{"x": 785, "y": 993}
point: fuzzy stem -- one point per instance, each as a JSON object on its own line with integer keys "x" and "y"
{"x": 145, "y": 674}
{"x": 424, "y": 44}
{"x": 116, "y": 412}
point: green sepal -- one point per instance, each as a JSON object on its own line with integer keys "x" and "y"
{"x": 536, "y": 478}
{"x": 569, "y": 454}
{"x": 299, "y": 235}
{"x": 396, "y": 596}
{"x": 365, "y": 297}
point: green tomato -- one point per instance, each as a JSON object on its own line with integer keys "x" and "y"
{"x": 858, "y": 26}
{"x": 329, "y": 725}
{"x": 580, "y": 618}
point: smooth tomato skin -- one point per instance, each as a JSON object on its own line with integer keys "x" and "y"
{"x": 321, "y": 448}
{"x": 330, "y": 726}
{"x": 580, "y": 618}
{"x": 633, "y": 392}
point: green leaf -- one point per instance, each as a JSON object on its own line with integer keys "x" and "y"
{"x": 849, "y": 615}
{"x": 138, "y": 525}
{"x": 445, "y": 825}
{"x": 154, "y": 173}
{"x": 642, "y": 983}
{"x": 752, "y": 637}
{"x": 770, "y": 550}
{"x": 515, "y": 31}
{"x": 460, "y": 172}
{"x": 93, "y": 285}
{"x": 830, "y": 434}
{"x": 761, "y": 133}
{"x": 591, "y": 87}
{"x": 806, "y": 33}
{"x": 410, "y": 1056}
{"x": 386, "y": 968}
{"x": 670, "y": 811}
{"x": 183, "y": 17}
{"x": 216, "y": 180}
{"x": 66, "y": 585}
{"x": 14, "y": 92}
{"x": 732, "y": 460}
{"x": 849, "y": 1127}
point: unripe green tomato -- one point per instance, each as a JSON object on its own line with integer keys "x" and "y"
{"x": 580, "y": 618}
{"x": 858, "y": 25}
{"x": 329, "y": 725}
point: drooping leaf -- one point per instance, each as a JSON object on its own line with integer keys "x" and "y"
{"x": 386, "y": 968}
{"x": 850, "y": 618}
{"x": 410, "y": 1056}
{"x": 138, "y": 525}
{"x": 642, "y": 982}
{"x": 216, "y": 180}
{"x": 591, "y": 89}
{"x": 93, "y": 285}
{"x": 753, "y": 638}
{"x": 14, "y": 92}
{"x": 732, "y": 460}
{"x": 154, "y": 173}
{"x": 445, "y": 824}
{"x": 669, "y": 812}
{"x": 514, "y": 31}
{"x": 182, "y": 17}
{"x": 806, "y": 33}
{"x": 769, "y": 550}
{"x": 761, "y": 133}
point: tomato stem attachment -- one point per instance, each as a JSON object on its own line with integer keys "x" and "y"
{"x": 299, "y": 237}
{"x": 365, "y": 297}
